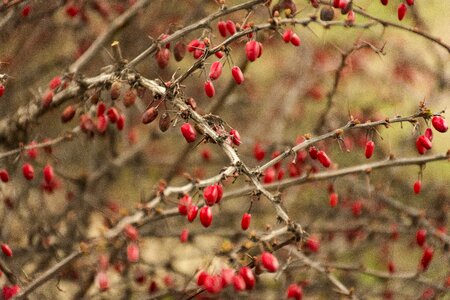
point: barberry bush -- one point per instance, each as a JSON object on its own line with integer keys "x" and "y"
{"x": 224, "y": 149}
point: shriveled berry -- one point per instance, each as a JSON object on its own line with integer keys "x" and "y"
{"x": 68, "y": 114}
{"x": 237, "y": 74}
{"x": 188, "y": 132}
{"x": 149, "y": 115}
{"x": 269, "y": 262}
{"x": 206, "y": 216}
{"x": 384, "y": 2}
{"x": 129, "y": 98}
{"x": 116, "y": 88}
{"x": 162, "y": 57}
{"x": 164, "y": 122}
{"x": 179, "y": 51}
{"x": 245, "y": 221}
{"x": 209, "y": 89}
{"x": 439, "y": 123}
{"x": 326, "y": 13}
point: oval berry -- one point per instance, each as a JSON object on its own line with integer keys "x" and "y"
{"x": 184, "y": 235}
{"x": 258, "y": 152}
{"x": 237, "y": 74}
{"x": 426, "y": 143}
{"x": 427, "y": 256}
{"x": 193, "y": 45}
{"x": 210, "y": 194}
{"x": 221, "y": 25}
{"x": 209, "y": 89}
{"x": 149, "y": 115}
{"x": 439, "y": 123}
{"x": 184, "y": 204}
{"x": 192, "y": 213}
{"x": 4, "y": 175}
{"x": 215, "y": 71}
{"x": 269, "y": 262}
{"x": 287, "y": 35}
{"x": 235, "y": 137}
{"x": 429, "y": 134}
{"x": 421, "y": 236}
{"x": 370, "y": 146}
{"x": 133, "y": 252}
{"x": 248, "y": 276}
{"x": 245, "y": 221}
{"x": 324, "y": 159}
{"x": 333, "y": 199}
{"x": 231, "y": 27}
{"x": 252, "y": 50}
{"x": 401, "y": 11}
{"x": 294, "y": 291}
{"x": 48, "y": 174}
{"x": 28, "y": 171}
{"x": 313, "y": 244}
{"x": 384, "y": 2}
{"x": 188, "y": 132}
{"x": 239, "y": 283}
{"x": 6, "y": 250}
{"x": 206, "y": 216}
{"x": 417, "y": 186}
{"x": 295, "y": 40}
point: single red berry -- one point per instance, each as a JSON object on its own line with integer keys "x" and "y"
{"x": 336, "y": 3}
{"x": 162, "y": 57}
{"x": 209, "y": 89}
{"x": 193, "y": 45}
{"x": 231, "y": 27}
{"x": 131, "y": 232}
{"x": 103, "y": 282}
{"x": 215, "y": 71}
{"x": 237, "y": 74}
{"x": 219, "y": 54}
{"x": 2, "y": 89}
{"x": 439, "y": 123}
{"x": 384, "y": 2}
{"x": 9, "y": 292}
{"x": 133, "y": 252}
{"x": 313, "y": 244}
{"x": 426, "y": 143}
{"x": 287, "y": 35}
{"x": 4, "y": 175}
{"x": 269, "y": 262}
{"x": 391, "y": 267}
{"x": 192, "y": 213}
{"x": 201, "y": 278}
{"x": 55, "y": 82}
{"x": 294, "y": 170}
{"x": 410, "y": 2}
{"x": 206, "y": 154}
{"x": 370, "y": 146}
{"x": 421, "y": 236}
{"x": 227, "y": 275}
{"x": 68, "y": 114}
{"x": 245, "y": 221}
{"x": 28, "y": 171}
{"x": 429, "y": 134}
{"x": 294, "y": 291}
{"x": 357, "y": 208}
{"x": 153, "y": 287}
{"x": 188, "y": 132}
{"x": 102, "y": 124}
{"x": 417, "y": 186}
{"x": 427, "y": 256}
{"x": 312, "y": 151}
{"x": 280, "y": 174}
{"x": 235, "y": 137}
{"x": 295, "y": 40}
{"x": 101, "y": 108}
{"x": 210, "y": 194}
{"x": 221, "y": 25}
{"x": 198, "y": 52}
{"x": 219, "y": 188}
{"x": 184, "y": 204}
{"x": 47, "y": 99}
{"x": 248, "y": 276}
{"x": 184, "y": 235}
{"x": 269, "y": 175}
{"x": 258, "y": 152}
{"x": 238, "y": 283}
{"x": 252, "y": 50}
{"x": 419, "y": 146}
{"x": 324, "y": 159}
{"x": 206, "y": 216}
{"x": 48, "y": 173}
{"x": 401, "y": 11}
{"x": 120, "y": 124}
{"x": 72, "y": 10}
{"x": 333, "y": 199}
{"x": 213, "y": 284}
{"x": 26, "y": 10}
{"x": 6, "y": 250}
{"x": 113, "y": 114}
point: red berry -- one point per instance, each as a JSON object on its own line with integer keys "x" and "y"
{"x": 4, "y": 175}
{"x": 384, "y": 2}
{"x": 429, "y": 134}
{"x": 287, "y": 35}
{"x": 258, "y": 152}
{"x": 206, "y": 154}
{"x": 336, "y": 3}
{"x": 162, "y": 57}
{"x": 192, "y": 213}
{"x": 231, "y": 27}
{"x": 427, "y": 256}
{"x": 421, "y": 236}
{"x": 269, "y": 175}
{"x": 252, "y": 50}
{"x": 410, "y": 2}
{"x": 238, "y": 283}
{"x": 48, "y": 173}
{"x": 193, "y": 45}
{"x": 47, "y": 99}
{"x": 426, "y": 143}
{"x": 419, "y": 146}
{"x": 324, "y": 159}
{"x": 201, "y": 278}
{"x": 101, "y": 108}
{"x": 245, "y": 221}
{"x": 209, "y": 89}
{"x": 2, "y": 89}
{"x": 215, "y": 71}
{"x": 184, "y": 204}
{"x": 184, "y": 235}
{"x": 313, "y": 243}
{"x": 295, "y": 40}
{"x": 198, "y": 52}
{"x": 227, "y": 275}
{"x": 120, "y": 124}
{"x": 102, "y": 124}
{"x": 401, "y": 11}
{"x": 9, "y": 292}
{"x": 103, "y": 282}
{"x": 206, "y": 216}
{"x": 188, "y": 132}
{"x": 333, "y": 199}
{"x": 439, "y": 123}
{"x": 218, "y": 54}
{"x": 72, "y": 10}
{"x": 248, "y": 276}
{"x": 213, "y": 284}
{"x": 210, "y": 193}
{"x": 417, "y": 186}
{"x": 133, "y": 252}
{"x": 113, "y": 114}
{"x": 294, "y": 291}
{"x": 370, "y": 146}
{"x": 221, "y": 25}
{"x": 357, "y": 208}
{"x": 28, "y": 171}
{"x": 6, "y": 250}
{"x": 54, "y": 83}
{"x": 269, "y": 262}
{"x": 26, "y": 10}
{"x": 237, "y": 74}
{"x": 312, "y": 151}
{"x": 391, "y": 267}
{"x": 131, "y": 232}
{"x": 235, "y": 137}
{"x": 219, "y": 188}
